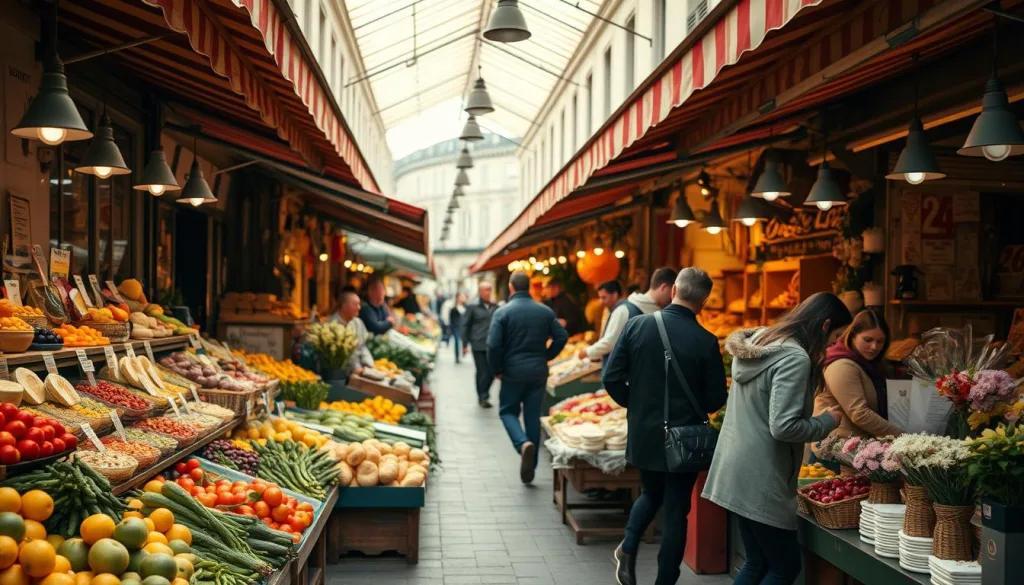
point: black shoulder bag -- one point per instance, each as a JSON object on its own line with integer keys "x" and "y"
{"x": 688, "y": 448}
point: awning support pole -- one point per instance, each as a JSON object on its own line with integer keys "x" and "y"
{"x": 115, "y": 49}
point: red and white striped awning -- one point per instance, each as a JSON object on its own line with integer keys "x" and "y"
{"x": 209, "y": 38}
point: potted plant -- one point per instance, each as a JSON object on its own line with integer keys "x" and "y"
{"x": 996, "y": 466}
{"x": 334, "y": 345}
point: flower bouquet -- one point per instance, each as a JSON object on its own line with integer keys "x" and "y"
{"x": 996, "y": 464}
{"x": 870, "y": 460}
{"x": 333, "y": 342}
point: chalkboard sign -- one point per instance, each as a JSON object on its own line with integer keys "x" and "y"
{"x": 806, "y": 232}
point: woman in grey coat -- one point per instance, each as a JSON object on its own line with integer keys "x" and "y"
{"x": 767, "y": 422}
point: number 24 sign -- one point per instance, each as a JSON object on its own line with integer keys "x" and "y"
{"x": 937, "y": 217}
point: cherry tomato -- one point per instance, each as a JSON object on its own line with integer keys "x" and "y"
{"x": 273, "y": 496}
{"x": 7, "y": 439}
{"x": 192, "y": 463}
{"x": 280, "y": 513}
{"x": 197, "y": 491}
{"x": 225, "y": 499}
{"x": 245, "y": 511}
{"x": 262, "y": 509}
{"x": 58, "y": 445}
{"x": 186, "y": 483}
{"x": 259, "y": 488}
{"x": 70, "y": 441}
{"x": 29, "y": 449}
{"x": 16, "y": 428}
{"x": 196, "y": 474}
{"x": 222, "y": 482}
{"x": 9, "y": 455}
{"x": 181, "y": 467}
{"x": 304, "y": 507}
{"x": 48, "y": 432}
{"x": 238, "y": 489}
{"x": 58, "y": 429}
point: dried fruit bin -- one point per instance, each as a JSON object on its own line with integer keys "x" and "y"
{"x": 146, "y": 455}
{"x": 231, "y": 399}
{"x": 183, "y": 441}
{"x": 126, "y": 413}
{"x": 167, "y": 446}
{"x": 115, "y": 332}
{"x": 73, "y": 420}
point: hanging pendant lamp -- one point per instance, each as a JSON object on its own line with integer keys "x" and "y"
{"x": 750, "y": 212}
{"x": 770, "y": 185}
{"x": 103, "y": 158}
{"x": 196, "y": 190}
{"x": 465, "y": 161}
{"x": 713, "y": 221}
{"x": 471, "y": 131}
{"x": 507, "y": 24}
{"x": 996, "y": 134}
{"x": 453, "y": 205}
{"x": 479, "y": 102}
{"x": 52, "y": 117}
{"x": 704, "y": 182}
{"x": 916, "y": 163}
{"x": 458, "y": 192}
{"x": 157, "y": 177}
{"x": 825, "y": 193}
{"x": 682, "y": 215}
{"x": 461, "y": 178}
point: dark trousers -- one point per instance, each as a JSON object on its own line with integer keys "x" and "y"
{"x": 673, "y": 491}
{"x": 484, "y": 376}
{"x": 457, "y": 344}
{"x": 516, "y": 397}
{"x": 773, "y": 555}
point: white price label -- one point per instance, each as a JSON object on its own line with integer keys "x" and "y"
{"x": 195, "y": 395}
{"x": 97, "y": 291}
{"x": 5, "y": 374}
{"x": 13, "y": 291}
{"x": 84, "y": 361}
{"x": 174, "y": 407}
{"x": 108, "y": 352}
{"x": 194, "y": 340}
{"x": 148, "y": 386}
{"x": 91, "y": 435}
{"x": 149, "y": 351}
{"x": 80, "y": 284}
{"x": 114, "y": 292}
{"x": 118, "y": 425}
{"x": 248, "y": 409}
{"x": 184, "y": 403}
{"x": 266, "y": 400}
{"x": 60, "y": 261}
{"x": 128, "y": 349}
{"x": 280, "y": 408}
{"x": 51, "y": 366}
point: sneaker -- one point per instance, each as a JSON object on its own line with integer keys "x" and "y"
{"x": 625, "y": 567}
{"x": 526, "y": 462}
{"x": 484, "y": 403}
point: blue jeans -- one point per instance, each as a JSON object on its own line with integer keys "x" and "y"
{"x": 457, "y": 343}
{"x": 526, "y": 397}
{"x": 773, "y": 555}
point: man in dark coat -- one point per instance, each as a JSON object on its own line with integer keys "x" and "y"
{"x": 476, "y": 324}
{"x": 518, "y": 351}
{"x": 566, "y": 310}
{"x": 374, "y": 313}
{"x": 635, "y": 379}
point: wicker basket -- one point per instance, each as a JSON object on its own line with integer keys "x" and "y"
{"x": 801, "y": 504}
{"x": 115, "y": 332}
{"x": 847, "y": 471}
{"x": 115, "y": 474}
{"x": 954, "y": 535}
{"x": 38, "y": 321}
{"x": 230, "y": 399}
{"x": 919, "y": 518}
{"x": 837, "y": 515}
{"x": 124, "y": 412}
{"x": 884, "y": 493}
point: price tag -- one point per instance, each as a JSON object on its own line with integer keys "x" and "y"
{"x": 114, "y": 292}
{"x": 248, "y": 409}
{"x": 60, "y": 262}
{"x": 195, "y": 395}
{"x": 13, "y": 291}
{"x": 5, "y": 374}
{"x": 280, "y": 408}
{"x": 108, "y": 352}
{"x": 174, "y": 407}
{"x": 97, "y": 291}
{"x": 194, "y": 340}
{"x": 149, "y": 351}
{"x": 91, "y": 435}
{"x": 118, "y": 425}
{"x": 128, "y": 349}
{"x": 266, "y": 400}
{"x": 51, "y": 366}
{"x": 184, "y": 403}
{"x": 80, "y": 284}
{"x": 148, "y": 386}
{"x": 87, "y": 366}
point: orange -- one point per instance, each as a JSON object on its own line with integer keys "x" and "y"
{"x": 163, "y": 519}
{"x": 179, "y": 581}
{"x": 35, "y": 530}
{"x": 55, "y": 539}
{"x": 10, "y": 500}
{"x": 131, "y": 514}
{"x": 36, "y": 505}
{"x": 149, "y": 524}
{"x": 62, "y": 565}
{"x": 14, "y": 575}
{"x": 105, "y": 579}
{"x": 156, "y": 537}
{"x": 83, "y": 577}
{"x": 38, "y": 558}
{"x": 58, "y": 578}
{"x": 155, "y": 548}
{"x": 152, "y": 485}
{"x": 96, "y": 527}
{"x": 179, "y": 532}
{"x": 8, "y": 551}
{"x": 135, "y": 503}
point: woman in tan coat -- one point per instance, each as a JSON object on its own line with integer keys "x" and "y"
{"x": 855, "y": 379}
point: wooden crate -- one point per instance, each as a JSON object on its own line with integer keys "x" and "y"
{"x": 374, "y": 531}
{"x": 373, "y": 388}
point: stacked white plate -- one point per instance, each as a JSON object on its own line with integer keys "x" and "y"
{"x": 615, "y": 441}
{"x": 954, "y": 572}
{"x": 888, "y": 523}
{"x": 867, "y": 522}
{"x": 914, "y": 553}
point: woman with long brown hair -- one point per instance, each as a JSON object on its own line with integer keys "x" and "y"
{"x": 768, "y": 420}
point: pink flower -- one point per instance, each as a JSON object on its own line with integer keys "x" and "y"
{"x": 991, "y": 387}
{"x": 851, "y": 445}
{"x": 872, "y": 464}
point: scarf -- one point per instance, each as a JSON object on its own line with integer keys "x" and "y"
{"x": 874, "y": 370}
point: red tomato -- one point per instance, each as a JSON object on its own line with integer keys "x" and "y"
{"x": 267, "y": 520}
{"x": 223, "y": 482}
{"x": 9, "y": 411}
{"x": 193, "y": 463}
{"x": 245, "y": 511}
{"x": 48, "y": 432}
{"x": 25, "y": 417}
{"x": 34, "y": 434}
{"x": 273, "y": 496}
{"x": 197, "y": 491}
{"x": 304, "y": 507}
{"x": 186, "y": 483}
{"x": 225, "y": 499}
{"x": 238, "y": 484}
{"x": 285, "y": 527}
{"x": 58, "y": 445}
{"x": 208, "y": 500}
{"x": 9, "y": 455}
{"x": 3, "y": 420}
{"x": 16, "y": 428}
{"x": 259, "y": 488}
{"x": 262, "y": 509}
{"x": 181, "y": 467}
{"x": 70, "y": 440}
{"x": 280, "y": 513}
{"x": 58, "y": 429}
{"x": 29, "y": 449}
{"x": 196, "y": 474}
{"x": 7, "y": 439}
{"x": 45, "y": 449}
{"x": 258, "y": 481}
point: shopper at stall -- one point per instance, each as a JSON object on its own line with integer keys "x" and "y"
{"x": 619, "y": 311}
{"x": 768, "y": 420}
{"x": 375, "y": 313}
{"x": 855, "y": 379}
{"x": 408, "y": 302}
{"x": 635, "y": 379}
{"x": 475, "y": 325}
{"x": 659, "y": 293}
{"x": 455, "y": 321}
{"x": 518, "y": 352}
{"x": 566, "y": 310}
{"x": 348, "y": 315}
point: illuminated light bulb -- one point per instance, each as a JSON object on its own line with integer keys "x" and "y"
{"x": 287, "y": 259}
{"x": 359, "y": 267}
{"x": 103, "y": 172}
{"x": 581, "y": 254}
{"x": 824, "y": 205}
{"x": 749, "y": 221}
{"x": 196, "y": 201}
{"x": 996, "y": 152}
{"x": 533, "y": 260}
{"x": 546, "y": 270}
{"x": 915, "y": 178}
{"x": 562, "y": 259}
{"x": 704, "y": 191}
{"x": 348, "y": 263}
{"x": 598, "y": 251}
{"x": 157, "y": 190}
{"x": 323, "y": 257}
{"x": 552, "y": 260}
{"x": 714, "y": 230}
{"x": 770, "y": 195}
{"x": 620, "y": 254}
{"x": 52, "y": 136}
{"x": 538, "y": 266}
{"x": 681, "y": 223}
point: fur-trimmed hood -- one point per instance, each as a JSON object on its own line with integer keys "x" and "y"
{"x": 750, "y": 359}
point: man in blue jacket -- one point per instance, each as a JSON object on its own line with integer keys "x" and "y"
{"x": 374, "y": 313}
{"x": 518, "y": 352}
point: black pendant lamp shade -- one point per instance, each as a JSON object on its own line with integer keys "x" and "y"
{"x": 825, "y": 192}
{"x": 713, "y": 221}
{"x": 682, "y": 215}
{"x": 916, "y": 163}
{"x": 453, "y": 205}
{"x": 196, "y": 190}
{"x": 447, "y": 220}
{"x": 52, "y": 117}
{"x": 458, "y": 192}
{"x": 479, "y": 102}
{"x": 471, "y": 131}
{"x": 996, "y": 133}
{"x": 750, "y": 212}
{"x": 103, "y": 158}
{"x": 770, "y": 185}
{"x": 157, "y": 177}
{"x": 461, "y": 178}
{"x": 465, "y": 161}
{"x": 507, "y": 24}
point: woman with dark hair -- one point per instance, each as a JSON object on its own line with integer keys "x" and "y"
{"x": 768, "y": 420}
{"x": 855, "y": 379}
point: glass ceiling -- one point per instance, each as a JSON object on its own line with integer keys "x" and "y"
{"x": 421, "y": 53}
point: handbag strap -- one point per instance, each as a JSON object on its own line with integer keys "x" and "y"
{"x": 670, "y": 358}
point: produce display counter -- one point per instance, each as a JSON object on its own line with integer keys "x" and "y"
{"x": 310, "y": 565}
{"x": 389, "y": 520}
{"x": 836, "y": 557}
{"x": 584, "y": 477}
{"x": 69, "y": 357}
{"x": 370, "y": 387}
{"x": 581, "y": 382}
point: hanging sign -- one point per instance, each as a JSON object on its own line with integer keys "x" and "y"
{"x": 51, "y": 366}
{"x": 807, "y": 232}
{"x": 114, "y": 292}
{"x": 13, "y": 288}
{"x": 80, "y": 285}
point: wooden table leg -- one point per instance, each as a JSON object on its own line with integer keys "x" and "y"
{"x": 332, "y": 539}
{"x": 414, "y": 537}
{"x": 563, "y": 489}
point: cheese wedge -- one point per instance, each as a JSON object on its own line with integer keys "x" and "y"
{"x": 35, "y": 391}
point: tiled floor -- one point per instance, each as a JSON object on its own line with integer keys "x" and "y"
{"x": 480, "y": 524}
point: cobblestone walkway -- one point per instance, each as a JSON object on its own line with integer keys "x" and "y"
{"x": 480, "y": 524}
